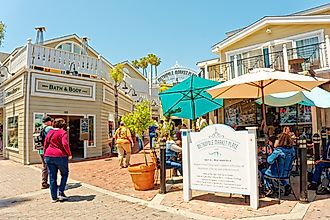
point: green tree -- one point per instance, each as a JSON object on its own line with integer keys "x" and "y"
{"x": 117, "y": 76}
{"x": 2, "y": 32}
{"x": 154, "y": 62}
{"x": 144, "y": 65}
{"x": 139, "y": 120}
{"x": 136, "y": 63}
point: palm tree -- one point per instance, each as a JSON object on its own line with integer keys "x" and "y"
{"x": 144, "y": 65}
{"x": 136, "y": 63}
{"x": 156, "y": 64}
{"x": 117, "y": 75}
{"x": 151, "y": 60}
{"x": 2, "y": 31}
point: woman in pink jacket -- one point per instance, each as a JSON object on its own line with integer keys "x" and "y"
{"x": 57, "y": 155}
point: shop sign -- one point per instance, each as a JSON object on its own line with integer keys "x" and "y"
{"x": 220, "y": 159}
{"x": 84, "y": 129}
{"x": 63, "y": 88}
{"x": 13, "y": 91}
{"x": 175, "y": 75}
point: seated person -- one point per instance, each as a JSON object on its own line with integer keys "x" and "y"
{"x": 172, "y": 149}
{"x": 284, "y": 154}
{"x": 319, "y": 166}
{"x": 264, "y": 151}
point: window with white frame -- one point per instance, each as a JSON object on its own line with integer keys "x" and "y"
{"x": 308, "y": 48}
{"x": 12, "y": 132}
{"x": 92, "y": 127}
{"x": 70, "y": 47}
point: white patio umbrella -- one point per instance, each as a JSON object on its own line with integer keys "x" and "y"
{"x": 263, "y": 81}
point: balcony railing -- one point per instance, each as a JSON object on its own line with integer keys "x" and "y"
{"x": 299, "y": 59}
{"x": 49, "y": 59}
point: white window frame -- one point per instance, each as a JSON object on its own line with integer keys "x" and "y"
{"x": 34, "y": 126}
{"x": 94, "y": 130}
{"x": 12, "y": 148}
{"x": 72, "y": 47}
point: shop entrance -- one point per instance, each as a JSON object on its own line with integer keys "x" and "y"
{"x": 73, "y": 129}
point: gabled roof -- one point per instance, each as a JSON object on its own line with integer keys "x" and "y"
{"x": 3, "y": 56}
{"x": 133, "y": 67}
{"x": 314, "y": 10}
{"x": 270, "y": 20}
{"x": 67, "y": 37}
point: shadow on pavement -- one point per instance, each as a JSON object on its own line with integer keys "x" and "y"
{"x": 12, "y": 201}
{"x": 73, "y": 185}
{"x": 81, "y": 198}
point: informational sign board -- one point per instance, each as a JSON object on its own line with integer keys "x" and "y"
{"x": 220, "y": 159}
{"x": 84, "y": 129}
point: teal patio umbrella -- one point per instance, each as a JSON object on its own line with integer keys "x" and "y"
{"x": 316, "y": 97}
{"x": 189, "y": 99}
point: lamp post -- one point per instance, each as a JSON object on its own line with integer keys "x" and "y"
{"x": 162, "y": 146}
{"x": 303, "y": 168}
{"x": 324, "y": 139}
{"x": 316, "y": 141}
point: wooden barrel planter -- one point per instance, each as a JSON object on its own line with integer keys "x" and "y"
{"x": 142, "y": 175}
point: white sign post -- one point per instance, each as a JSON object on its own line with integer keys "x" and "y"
{"x": 220, "y": 159}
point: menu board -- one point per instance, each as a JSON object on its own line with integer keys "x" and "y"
{"x": 289, "y": 115}
{"x": 241, "y": 114}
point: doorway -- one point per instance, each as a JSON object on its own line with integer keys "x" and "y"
{"x": 73, "y": 128}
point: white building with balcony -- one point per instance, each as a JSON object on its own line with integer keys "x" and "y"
{"x": 62, "y": 77}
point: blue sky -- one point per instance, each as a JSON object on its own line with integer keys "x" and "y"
{"x": 175, "y": 30}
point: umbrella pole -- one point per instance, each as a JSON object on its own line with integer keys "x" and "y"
{"x": 263, "y": 110}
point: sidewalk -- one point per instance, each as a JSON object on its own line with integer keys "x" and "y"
{"x": 104, "y": 173}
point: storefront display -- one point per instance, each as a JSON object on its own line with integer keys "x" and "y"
{"x": 289, "y": 115}
{"x": 241, "y": 114}
{"x": 12, "y": 132}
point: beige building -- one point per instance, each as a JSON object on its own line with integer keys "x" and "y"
{"x": 62, "y": 77}
{"x": 294, "y": 43}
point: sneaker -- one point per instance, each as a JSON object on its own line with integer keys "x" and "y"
{"x": 322, "y": 191}
{"x": 62, "y": 196}
{"x": 54, "y": 200}
{"x": 44, "y": 186}
{"x": 287, "y": 190}
{"x": 312, "y": 186}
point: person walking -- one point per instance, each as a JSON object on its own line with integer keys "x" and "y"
{"x": 57, "y": 155}
{"x": 123, "y": 139}
{"x": 48, "y": 121}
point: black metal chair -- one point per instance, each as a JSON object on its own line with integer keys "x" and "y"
{"x": 286, "y": 174}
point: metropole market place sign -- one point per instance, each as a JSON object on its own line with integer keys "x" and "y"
{"x": 220, "y": 159}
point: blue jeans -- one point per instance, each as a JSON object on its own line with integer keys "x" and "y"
{"x": 318, "y": 171}
{"x": 54, "y": 164}
{"x": 175, "y": 165}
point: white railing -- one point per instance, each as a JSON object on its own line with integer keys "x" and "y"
{"x": 62, "y": 60}
{"x": 18, "y": 60}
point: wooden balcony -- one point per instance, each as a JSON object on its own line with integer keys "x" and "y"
{"x": 47, "y": 59}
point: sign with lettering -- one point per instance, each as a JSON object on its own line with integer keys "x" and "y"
{"x": 60, "y": 87}
{"x": 175, "y": 74}
{"x": 220, "y": 160}
{"x": 84, "y": 129}
{"x": 14, "y": 90}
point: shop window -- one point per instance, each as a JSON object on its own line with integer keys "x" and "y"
{"x": 91, "y": 135}
{"x": 37, "y": 125}
{"x": 12, "y": 132}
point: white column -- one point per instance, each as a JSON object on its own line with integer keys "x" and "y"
{"x": 327, "y": 47}
{"x": 285, "y": 58}
{"x": 187, "y": 193}
{"x": 314, "y": 119}
{"x": 253, "y": 152}
{"x": 235, "y": 66}
{"x": 206, "y": 72}
{"x": 28, "y": 53}
{"x": 99, "y": 67}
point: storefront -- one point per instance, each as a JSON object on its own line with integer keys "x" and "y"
{"x": 86, "y": 104}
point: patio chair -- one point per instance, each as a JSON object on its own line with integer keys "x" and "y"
{"x": 285, "y": 175}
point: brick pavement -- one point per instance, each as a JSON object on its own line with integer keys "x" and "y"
{"x": 22, "y": 198}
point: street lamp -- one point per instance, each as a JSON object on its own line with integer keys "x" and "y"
{"x": 4, "y": 67}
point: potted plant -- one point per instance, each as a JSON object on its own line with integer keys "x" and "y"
{"x": 138, "y": 121}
